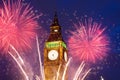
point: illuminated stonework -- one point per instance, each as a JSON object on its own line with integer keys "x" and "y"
{"x": 55, "y": 44}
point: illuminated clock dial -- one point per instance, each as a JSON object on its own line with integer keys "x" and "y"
{"x": 65, "y": 56}
{"x": 53, "y": 55}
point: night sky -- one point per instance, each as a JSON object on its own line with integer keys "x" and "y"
{"x": 106, "y": 12}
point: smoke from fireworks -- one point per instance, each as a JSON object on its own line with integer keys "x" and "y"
{"x": 88, "y": 43}
{"x": 17, "y": 25}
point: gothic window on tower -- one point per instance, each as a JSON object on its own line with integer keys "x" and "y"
{"x": 55, "y": 30}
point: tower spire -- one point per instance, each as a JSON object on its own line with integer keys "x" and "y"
{"x": 55, "y": 20}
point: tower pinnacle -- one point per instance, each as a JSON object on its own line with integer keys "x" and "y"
{"x": 55, "y": 20}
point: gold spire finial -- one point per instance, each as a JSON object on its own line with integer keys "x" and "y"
{"x": 55, "y": 20}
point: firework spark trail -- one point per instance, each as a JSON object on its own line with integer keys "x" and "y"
{"x": 37, "y": 77}
{"x": 20, "y": 58}
{"x": 88, "y": 43}
{"x": 17, "y": 25}
{"x": 58, "y": 72}
{"x": 23, "y": 71}
{"x": 40, "y": 62}
{"x": 24, "y": 65}
{"x": 64, "y": 73}
{"x": 102, "y": 78}
{"x": 80, "y": 72}
{"x": 86, "y": 73}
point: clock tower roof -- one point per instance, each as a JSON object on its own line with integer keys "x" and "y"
{"x": 55, "y": 20}
{"x": 55, "y": 30}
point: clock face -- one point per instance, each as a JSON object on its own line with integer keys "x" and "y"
{"x": 65, "y": 56}
{"x": 53, "y": 55}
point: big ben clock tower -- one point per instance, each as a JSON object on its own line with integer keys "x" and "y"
{"x": 55, "y": 53}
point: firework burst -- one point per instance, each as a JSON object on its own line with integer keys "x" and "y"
{"x": 17, "y": 25}
{"x": 88, "y": 43}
